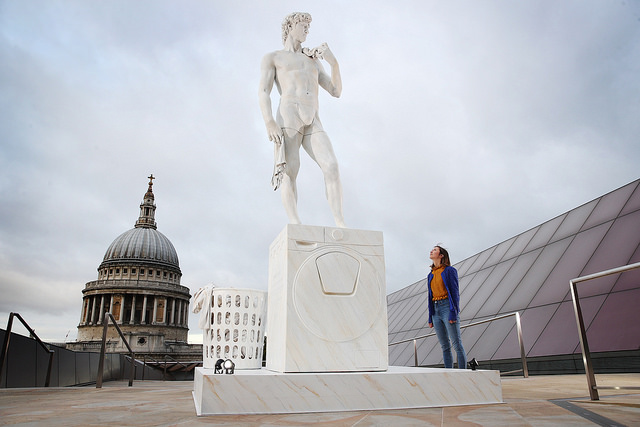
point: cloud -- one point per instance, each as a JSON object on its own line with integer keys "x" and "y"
{"x": 459, "y": 123}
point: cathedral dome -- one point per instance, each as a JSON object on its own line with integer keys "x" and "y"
{"x": 142, "y": 244}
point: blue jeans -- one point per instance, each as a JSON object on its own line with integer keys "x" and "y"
{"x": 448, "y": 334}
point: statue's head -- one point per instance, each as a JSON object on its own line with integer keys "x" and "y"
{"x": 292, "y": 19}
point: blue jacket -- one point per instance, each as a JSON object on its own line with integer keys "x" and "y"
{"x": 450, "y": 279}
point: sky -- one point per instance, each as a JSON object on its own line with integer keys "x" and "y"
{"x": 463, "y": 123}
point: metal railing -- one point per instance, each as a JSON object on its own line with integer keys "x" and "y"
{"x": 523, "y": 357}
{"x": 5, "y": 346}
{"x": 105, "y": 324}
{"x": 164, "y": 363}
{"x": 586, "y": 354}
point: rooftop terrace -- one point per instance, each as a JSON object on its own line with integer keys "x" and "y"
{"x": 558, "y": 400}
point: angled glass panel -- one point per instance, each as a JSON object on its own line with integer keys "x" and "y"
{"x": 561, "y": 334}
{"x": 481, "y": 258}
{"x": 521, "y": 242}
{"x": 463, "y": 266}
{"x": 470, "y": 289}
{"x": 429, "y": 352}
{"x": 403, "y": 293}
{"x": 420, "y": 316}
{"x": 574, "y": 221}
{"x": 491, "y": 339}
{"x": 609, "y": 206}
{"x": 412, "y": 305}
{"x": 471, "y": 336}
{"x": 533, "y": 321}
{"x": 425, "y": 330}
{"x": 464, "y": 281}
{"x": 415, "y": 306}
{"x": 614, "y": 251}
{"x": 506, "y": 287}
{"x": 393, "y": 307}
{"x": 615, "y": 327}
{"x": 629, "y": 279}
{"x": 421, "y": 286}
{"x": 417, "y": 288}
{"x": 544, "y": 233}
{"x": 556, "y": 287}
{"x": 536, "y": 276}
{"x": 395, "y": 313}
{"x": 499, "y": 252}
{"x": 392, "y": 297}
{"x": 485, "y": 292}
{"x": 407, "y": 293}
{"x": 401, "y": 354}
{"x": 633, "y": 204}
{"x": 392, "y": 314}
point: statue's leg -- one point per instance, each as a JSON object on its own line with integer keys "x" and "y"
{"x": 288, "y": 188}
{"x": 320, "y": 150}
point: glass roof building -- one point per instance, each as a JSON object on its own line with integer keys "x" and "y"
{"x": 530, "y": 274}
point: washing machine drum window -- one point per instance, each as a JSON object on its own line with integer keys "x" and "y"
{"x": 337, "y": 294}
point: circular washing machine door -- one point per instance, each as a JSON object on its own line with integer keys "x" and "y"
{"x": 337, "y": 293}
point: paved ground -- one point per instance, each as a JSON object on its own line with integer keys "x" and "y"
{"x": 559, "y": 400}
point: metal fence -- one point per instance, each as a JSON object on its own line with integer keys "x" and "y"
{"x": 524, "y": 370}
{"x": 584, "y": 344}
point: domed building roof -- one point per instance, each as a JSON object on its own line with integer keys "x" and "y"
{"x": 144, "y": 243}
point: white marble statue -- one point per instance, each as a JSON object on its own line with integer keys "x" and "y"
{"x": 297, "y": 72}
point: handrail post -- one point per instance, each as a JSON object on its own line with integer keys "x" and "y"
{"x": 49, "y": 367}
{"x": 584, "y": 345}
{"x": 415, "y": 352}
{"x": 523, "y": 356}
{"x": 108, "y": 316}
{"x": 5, "y": 345}
{"x": 105, "y": 325}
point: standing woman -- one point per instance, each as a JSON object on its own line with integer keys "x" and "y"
{"x": 444, "y": 306}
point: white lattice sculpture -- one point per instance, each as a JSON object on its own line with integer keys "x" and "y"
{"x": 232, "y": 322}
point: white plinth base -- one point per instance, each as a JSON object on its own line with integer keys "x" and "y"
{"x": 267, "y": 392}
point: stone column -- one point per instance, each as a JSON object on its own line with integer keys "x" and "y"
{"x": 173, "y": 311}
{"x": 155, "y": 310}
{"x": 94, "y": 298}
{"x": 164, "y": 311}
{"x": 83, "y": 312}
{"x": 101, "y": 313}
{"x": 110, "y": 304}
{"x": 179, "y": 312}
{"x": 144, "y": 311}
{"x": 133, "y": 309}
{"x": 185, "y": 313}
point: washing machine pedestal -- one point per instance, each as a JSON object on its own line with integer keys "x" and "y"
{"x": 327, "y": 307}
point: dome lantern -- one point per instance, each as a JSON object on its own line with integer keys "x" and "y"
{"x": 147, "y": 208}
